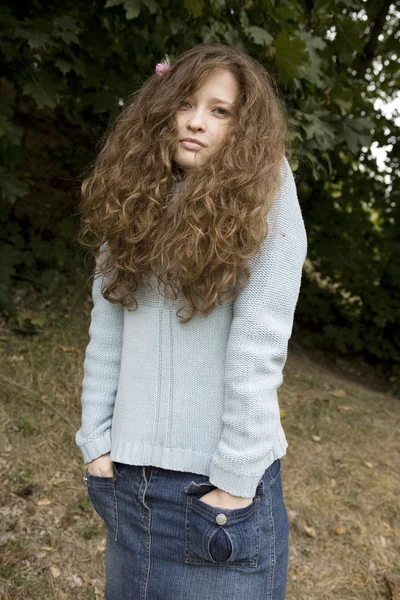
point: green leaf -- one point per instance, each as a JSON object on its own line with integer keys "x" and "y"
{"x": 349, "y": 39}
{"x": 65, "y": 23}
{"x": 291, "y": 57}
{"x": 194, "y": 7}
{"x": 37, "y": 32}
{"x": 111, "y": 3}
{"x": 42, "y": 96}
{"x": 259, "y": 35}
{"x": 315, "y": 75}
{"x": 35, "y": 39}
{"x": 356, "y": 133}
{"x": 214, "y": 33}
{"x": 175, "y": 25}
{"x": 287, "y": 10}
{"x": 65, "y": 27}
{"x": 244, "y": 19}
{"x": 319, "y": 130}
{"x": 151, "y": 5}
{"x": 132, "y": 8}
{"x": 9, "y": 133}
{"x": 64, "y": 65}
{"x": 343, "y": 97}
{"x": 11, "y": 187}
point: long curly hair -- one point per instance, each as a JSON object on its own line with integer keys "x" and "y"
{"x": 195, "y": 230}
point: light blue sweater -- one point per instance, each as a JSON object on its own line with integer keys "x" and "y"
{"x": 200, "y": 397}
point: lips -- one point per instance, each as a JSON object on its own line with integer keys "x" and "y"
{"x": 193, "y": 142}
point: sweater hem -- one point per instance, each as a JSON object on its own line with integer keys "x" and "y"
{"x": 196, "y": 462}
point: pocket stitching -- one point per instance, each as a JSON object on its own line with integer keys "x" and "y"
{"x": 105, "y": 486}
{"x": 190, "y": 559}
{"x": 274, "y": 478}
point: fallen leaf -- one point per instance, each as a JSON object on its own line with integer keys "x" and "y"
{"x": 339, "y": 529}
{"x": 15, "y": 358}
{"x": 316, "y": 438}
{"x": 76, "y": 580}
{"x": 339, "y": 393}
{"x": 388, "y": 527}
{"x": 87, "y": 579}
{"x": 69, "y": 348}
{"x": 55, "y": 571}
{"x": 43, "y": 502}
{"x": 310, "y": 531}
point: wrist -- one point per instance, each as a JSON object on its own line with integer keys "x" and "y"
{"x": 224, "y": 494}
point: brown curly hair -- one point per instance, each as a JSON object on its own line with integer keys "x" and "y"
{"x": 195, "y": 232}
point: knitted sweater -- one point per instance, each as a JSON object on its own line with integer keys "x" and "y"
{"x": 199, "y": 397}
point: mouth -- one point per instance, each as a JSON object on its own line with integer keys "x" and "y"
{"x": 191, "y": 144}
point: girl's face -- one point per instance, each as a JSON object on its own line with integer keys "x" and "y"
{"x": 205, "y": 116}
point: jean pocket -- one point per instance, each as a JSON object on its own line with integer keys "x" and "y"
{"x": 274, "y": 470}
{"x": 224, "y": 537}
{"x": 102, "y": 495}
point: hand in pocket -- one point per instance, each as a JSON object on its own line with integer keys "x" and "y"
{"x": 101, "y": 466}
{"x": 220, "y": 499}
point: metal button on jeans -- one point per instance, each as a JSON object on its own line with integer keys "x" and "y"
{"x": 221, "y": 519}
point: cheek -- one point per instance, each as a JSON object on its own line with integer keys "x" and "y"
{"x": 178, "y": 124}
{"x": 222, "y": 133}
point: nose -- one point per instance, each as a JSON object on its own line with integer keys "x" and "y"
{"x": 196, "y": 121}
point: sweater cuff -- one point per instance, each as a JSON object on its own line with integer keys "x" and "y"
{"x": 244, "y": 486}
{"x": 96, "y": 447}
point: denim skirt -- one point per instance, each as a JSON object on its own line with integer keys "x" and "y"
{"x": 164, "y": 543}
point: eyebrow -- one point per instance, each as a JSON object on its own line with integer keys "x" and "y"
{"x": 221, "y": 101}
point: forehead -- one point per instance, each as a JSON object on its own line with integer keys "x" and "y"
{"x": 220, "y": 85}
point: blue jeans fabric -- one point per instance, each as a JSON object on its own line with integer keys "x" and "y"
{"x": 164, "y": 543}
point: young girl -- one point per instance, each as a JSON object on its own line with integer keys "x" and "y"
{"x": 199, "y": 242}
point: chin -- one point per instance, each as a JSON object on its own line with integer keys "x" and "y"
{"x": 188, "y": 162}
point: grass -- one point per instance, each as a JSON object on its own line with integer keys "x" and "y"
{"x": 340, "y": 473}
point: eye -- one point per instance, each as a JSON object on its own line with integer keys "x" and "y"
{"x": 224, "y": 111}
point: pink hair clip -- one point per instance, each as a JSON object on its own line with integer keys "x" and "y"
{"x": 164, "y": 66}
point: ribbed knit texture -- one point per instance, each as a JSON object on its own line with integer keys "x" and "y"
{"x": 200, "y": 397}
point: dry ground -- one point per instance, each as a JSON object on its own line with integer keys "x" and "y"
{"x": 340, "y": 474}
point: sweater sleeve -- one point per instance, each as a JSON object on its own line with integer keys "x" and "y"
{"x": 101, "y": 374}
{"x": 256, "y": 352}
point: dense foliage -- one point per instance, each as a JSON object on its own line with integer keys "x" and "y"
{"x": 67, "y": 68}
